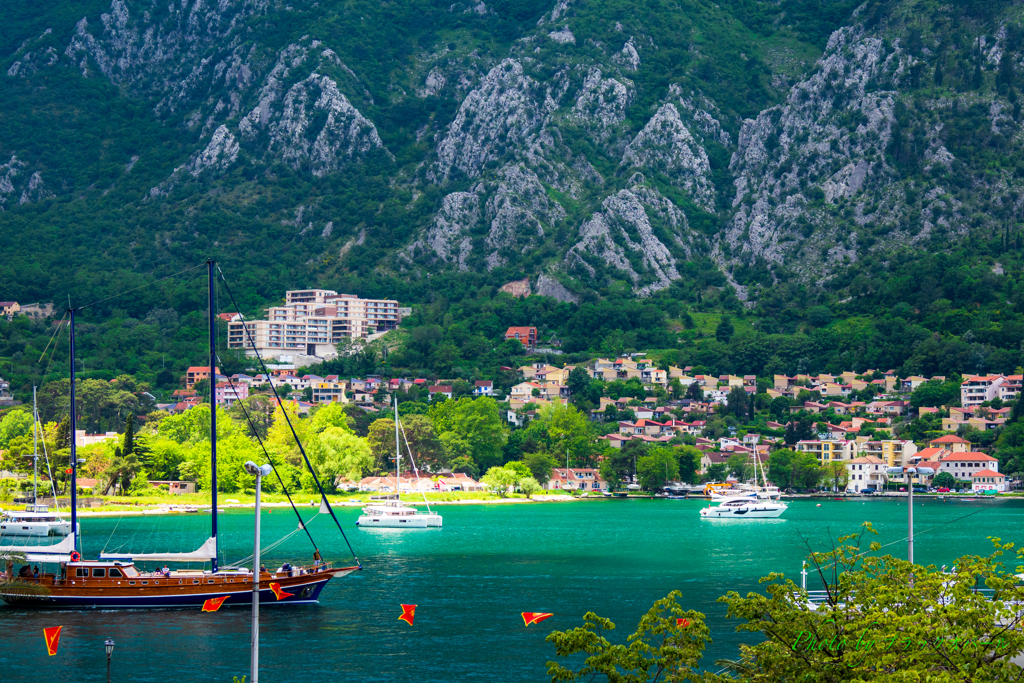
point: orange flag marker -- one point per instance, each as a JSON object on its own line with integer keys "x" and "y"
{"x": 535, "y": 617}
{"x": 213, "y": 604}
{"x": 52, "y": 636}
{"x": 408, "y": 614}
{"x": 681, "y": 621}
{"x": 280, "y": 594}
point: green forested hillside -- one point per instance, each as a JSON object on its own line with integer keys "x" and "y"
{"x": 842, "y": 181}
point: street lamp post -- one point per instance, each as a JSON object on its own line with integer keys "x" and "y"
{"x": 259, "y": 472}
{"x": 109, "y": 647}
{"x": 910, "y": 471}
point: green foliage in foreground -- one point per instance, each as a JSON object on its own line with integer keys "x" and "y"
{"x": 884, "y": 619}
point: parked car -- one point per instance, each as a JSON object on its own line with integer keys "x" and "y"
{"x": 943, "y": 489}
{"x": 868, "y": 491}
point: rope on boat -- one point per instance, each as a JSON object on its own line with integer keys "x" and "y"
{"x": 275, "y": 544}
{"x": 414, "y": 469}
{"x": 302, "y": 450}
{"x": 252, "y": 426}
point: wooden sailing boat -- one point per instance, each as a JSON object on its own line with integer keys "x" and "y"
{"x": 114, "y": 581}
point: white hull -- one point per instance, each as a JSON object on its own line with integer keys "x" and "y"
{"x": 417, "y": 521}
{"x": 753, "y": 510}
{"x": 8, "y": 528}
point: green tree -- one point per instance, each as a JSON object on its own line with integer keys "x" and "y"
{"x": 381, "y": 440}
{"x": 871, "y": 628}
{"x": 944, "y": 480}
{"x": 724, "y": 330}
{"x": 618, "y": 463}
{"x": 480, "y": 423}
{"x": 660, "y": 465}
{"x": 540, "y": 465}
{"x": 17, "y": 423}
{"x": 345, "y": 455}
{"x": 695, "y": 392}
{"x": 501, "y": 479}
{"x": 936, "y": 393}
{"x": 667, "y": 645}
{"x": 716, "y": 472}
{"x": 689, "y": 463}
{"x": 528, "y": 486}
{"x": 740, "y": 466}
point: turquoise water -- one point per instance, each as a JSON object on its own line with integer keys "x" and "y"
{"x": 471, "y": 580}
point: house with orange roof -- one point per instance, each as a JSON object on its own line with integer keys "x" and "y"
{"x": 952, "y": 443}
{"x": 963, "y": 465}
{"x": 527, "y": 336}
{"x": 979, "y": 389}
{"x": 988, "y": 480}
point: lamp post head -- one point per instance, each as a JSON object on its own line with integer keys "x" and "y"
{"x": 257, "y": 470}
{"x": 109, "y": 646}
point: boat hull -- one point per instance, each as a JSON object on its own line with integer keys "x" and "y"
{"x": 420, "y": 521}
{"x": 302, "y": 589}
{"x": 752, "y": 511}
{"x": 35, "y": 528}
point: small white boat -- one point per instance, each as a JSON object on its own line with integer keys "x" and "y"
{"x": 744, "y": 508}
{"x": 34, "y": 520}
{"x": 389, "y": 512}
{"x": 394, "y": 514}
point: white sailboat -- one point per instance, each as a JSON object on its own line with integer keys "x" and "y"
{"x": 390, "y": 512}
{"x": 35, "y": 519}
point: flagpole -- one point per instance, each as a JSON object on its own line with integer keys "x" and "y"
{"x": 254, "y": 671}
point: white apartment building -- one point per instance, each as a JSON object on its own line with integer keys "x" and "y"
{"x": 976, "y": 390}
{"x": 312, "y": 322}
{"x": 963, "y": 466}
{"x": 866, "y": 472}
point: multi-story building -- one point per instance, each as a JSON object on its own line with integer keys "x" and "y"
{"x": 981, "y": 388}
{"x": 866, "y": 472}
{"x": 312, "y": 322}
{"x": 527, "y": 336}
{"x": 330, "y": 391}
{"x": 894, "y": 452}
{"x": 196, "y": 373}
{"x": 230, "y": 392}
{"x": 963, "y": 465}
{"x": 828, "y": 450}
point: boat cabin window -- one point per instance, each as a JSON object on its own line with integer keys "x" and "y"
{"x": 115, "y": 573}
{"x": 99, "y": 572}
{"x": 81, "y": 572}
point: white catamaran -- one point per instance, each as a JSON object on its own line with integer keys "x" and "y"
{"x": 389, "y": 511}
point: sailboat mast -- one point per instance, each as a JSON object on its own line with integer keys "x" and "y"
{"x": 73, "y": 464}
{"x": 35, "y": 452}
{"x": 398, "y": 454}
{"x": 213, "y": 419}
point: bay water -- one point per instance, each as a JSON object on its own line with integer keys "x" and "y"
{"x": 470, "y": 580}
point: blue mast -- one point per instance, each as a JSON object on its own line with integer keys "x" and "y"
{"x": 74, "y": 447}
{"x": 213, "y": 417}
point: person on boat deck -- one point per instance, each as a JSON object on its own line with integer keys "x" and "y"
{"x": 165, "y": 571}
{"x": 25, "y": 572}
{"x": 35, "y": 572}
{"x": 317, "y": 560}
{"x": 263, "y": 569}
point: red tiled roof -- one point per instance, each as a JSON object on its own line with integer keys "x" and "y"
{"x": 969, "y": 457}
{"x": 949, "y": 438}
{"x": 987, "y": 473}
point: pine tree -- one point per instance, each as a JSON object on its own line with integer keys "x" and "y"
{"x": 128, "y": 446}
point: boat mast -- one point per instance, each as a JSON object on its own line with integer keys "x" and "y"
{"x": 73, "y": 464}
{"x": 35, "y": 454}
{"x": 213, "y": 419}
{"x": 398, "y": 456}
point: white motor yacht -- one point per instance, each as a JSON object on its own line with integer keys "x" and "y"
{"x": 34, "y": 520}
{"x": 744, "y": 508}
{"x": 392, "y": 513}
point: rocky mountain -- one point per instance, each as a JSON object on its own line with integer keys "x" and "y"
{"x": 587, "y": 146}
